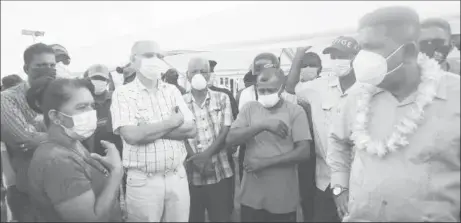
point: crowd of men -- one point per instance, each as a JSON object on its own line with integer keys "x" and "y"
{"x": 377, "y": 141}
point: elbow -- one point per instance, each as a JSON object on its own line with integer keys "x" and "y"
{"x": 192, "y": 132}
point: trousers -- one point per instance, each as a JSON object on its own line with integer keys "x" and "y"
{"x": 157, "y": 197}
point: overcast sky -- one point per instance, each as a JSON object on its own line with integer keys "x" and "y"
{"x": 102, "y": 32}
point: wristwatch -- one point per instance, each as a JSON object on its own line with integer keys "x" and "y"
{"x": 338, "y": 190}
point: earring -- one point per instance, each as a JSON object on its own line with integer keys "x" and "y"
{"x": 57, "y": 122}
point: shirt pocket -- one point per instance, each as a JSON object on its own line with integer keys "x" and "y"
{"x": 216, "y": 113}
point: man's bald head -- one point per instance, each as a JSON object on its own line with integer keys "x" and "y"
{"x": 145, "y": 47}
{"x": 270, "y": 81}
{"x": 198, "y": 65}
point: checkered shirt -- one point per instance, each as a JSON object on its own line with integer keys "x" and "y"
{"x": 134, "y": 104}
{"x": 211, "y": 116}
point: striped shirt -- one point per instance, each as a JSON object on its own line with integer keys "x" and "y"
{"x": 20, "y": 125}
{"x": 133, "y": 104}
{"x": 214, "y": 113}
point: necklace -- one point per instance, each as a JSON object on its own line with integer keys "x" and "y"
{"x": 426, "y": 91}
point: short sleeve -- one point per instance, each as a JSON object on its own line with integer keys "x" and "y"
{"x": 300, "y": 125}
{"x": 227, "y": 110}
{"x": 243, "y": 118}
{"x": 122, "y": 113}
{"x": 64, "y": 179}
{"x": 181, "y": 103}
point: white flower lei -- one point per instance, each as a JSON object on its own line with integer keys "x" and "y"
{"x": 426, "y": 92}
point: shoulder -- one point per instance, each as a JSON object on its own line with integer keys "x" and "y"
{"x": 221, "y": 95}
{"x": 51, "y": 155}
{"x": 449, "y": 87}
{"x": 123, "y": 89}
{"x": 294, "y": 109}
{"x": 14, "y": 91}
{"x": 454, "y": 65}
{"x": 250, "y": 106}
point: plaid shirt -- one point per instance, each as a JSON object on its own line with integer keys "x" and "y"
{"x": 134, "y": 104}
{"x": 211, "y": 116}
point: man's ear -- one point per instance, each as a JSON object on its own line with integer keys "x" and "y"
{"x": 410, "y": 52}
{"x": 25, "y": 68}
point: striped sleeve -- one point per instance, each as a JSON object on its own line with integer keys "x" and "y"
{"x": 15, "y": 128}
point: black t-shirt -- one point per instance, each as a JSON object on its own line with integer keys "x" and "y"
{"x": 104, "y": 129}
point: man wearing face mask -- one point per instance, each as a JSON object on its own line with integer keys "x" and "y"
{"x": 62, "y": 61}
{"x": 276, "y": 135}
{"x": 261, "y": 62}
{"x": 394, "y": 149}
{"x": 153, "y": 121}
{"x": 306, "y": 66}
{"x": 322, "y": 98}
{"x": 209, "y": 169}
{"x": 99, "y": 77}
{"x": 435, "y": 42}
{"x": 22, "y": 128}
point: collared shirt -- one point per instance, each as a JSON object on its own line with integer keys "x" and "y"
{"x": 20, "y": 124}
{"x": 249, "y": 94}
{"x": 214, "y": 113}
{"x": 134, "y": 104}
{"x": 418, "y": 182}
{"x": 325, "y": 97}
{"x": 274, "y": 189}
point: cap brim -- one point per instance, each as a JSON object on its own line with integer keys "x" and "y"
{"x": 328, "y": 50}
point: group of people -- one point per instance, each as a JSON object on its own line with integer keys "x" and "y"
{"x": 377, "y": 141}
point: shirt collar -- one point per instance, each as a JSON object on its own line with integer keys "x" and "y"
{"x": 190, "y": 98}
{"x": 141, "y": 86}
{"x": 334, "y": 83}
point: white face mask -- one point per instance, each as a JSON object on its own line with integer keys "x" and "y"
{"x": 151, "y": 67}
{"x": 309, "y": 73}
{"x": 270, "y": 100}
{"x": 371, "y": 68}
{"x": 341, "y": 67}
{"x": 84, "y": 125}
{"x": 99, "y": 86}
{"x": 198, "y": 82}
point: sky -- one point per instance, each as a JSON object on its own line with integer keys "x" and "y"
{"x": 103, "y": 32}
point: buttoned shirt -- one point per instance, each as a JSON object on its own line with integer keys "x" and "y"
{"x": 325, "y": 97}
{"x": 134, "y": 104}
{"x": 20, "y": 124}
{"x": 418, "y": 182}
{"x": 214, "y": 113}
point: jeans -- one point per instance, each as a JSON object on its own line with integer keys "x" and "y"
{"x": 157, "y": 197}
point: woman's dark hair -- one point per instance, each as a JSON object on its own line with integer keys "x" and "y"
{"x": 46, "y": 93}
{"x": 10, "y": 81}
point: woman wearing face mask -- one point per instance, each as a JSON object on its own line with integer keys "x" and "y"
{"x": 66, "y": 183}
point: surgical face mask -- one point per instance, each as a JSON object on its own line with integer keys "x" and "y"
{"x": 309, "y": 73}
{"x": 99, "y": 86}
{"x": 371, "y": 68}
{"x": 198, "y": 82}
{"x": 151, "y": 67}
{"x": 84, "y": 125}
{"x": 341, "y": 67}
{"x": 36, "y": 73}
{"x": 270, "y": 100}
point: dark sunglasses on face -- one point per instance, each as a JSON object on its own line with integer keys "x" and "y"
{"x": 99, "y": 78}
{"x": 429, "y": 47}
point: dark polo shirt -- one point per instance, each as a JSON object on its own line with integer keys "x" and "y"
{"x": 104, "y": 129}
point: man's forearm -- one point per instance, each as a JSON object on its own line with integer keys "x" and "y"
{"x": 146, "y": 133}
{"x": 238, "y": 136}
{"x": 295, "y": 72}
{"x": 185, "y": 131}
{"x": 299, "y": 154}
{"x": 220, "y": 141}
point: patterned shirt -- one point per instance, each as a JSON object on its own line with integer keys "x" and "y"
{"x": 20, "y": 125}
{"x": 133, "y": 104}
{"x": 214, "y": 113}
{"x": 419, "y": 182}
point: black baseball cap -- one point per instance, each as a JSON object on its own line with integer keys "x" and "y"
{"x": 344, "y": 44}
{"x": 265, "y": 60}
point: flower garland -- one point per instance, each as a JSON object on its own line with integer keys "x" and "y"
{"x": 426, "y": 92}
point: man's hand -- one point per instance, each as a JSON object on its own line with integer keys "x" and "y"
{"x": 254, "y": 164}
{"x": 302, "y": 50}
{"x": 176, "y": 116}
{"x": 202, "y": 162}
{"x": 342, "y": 202}
{"x": 276, "y": 126}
